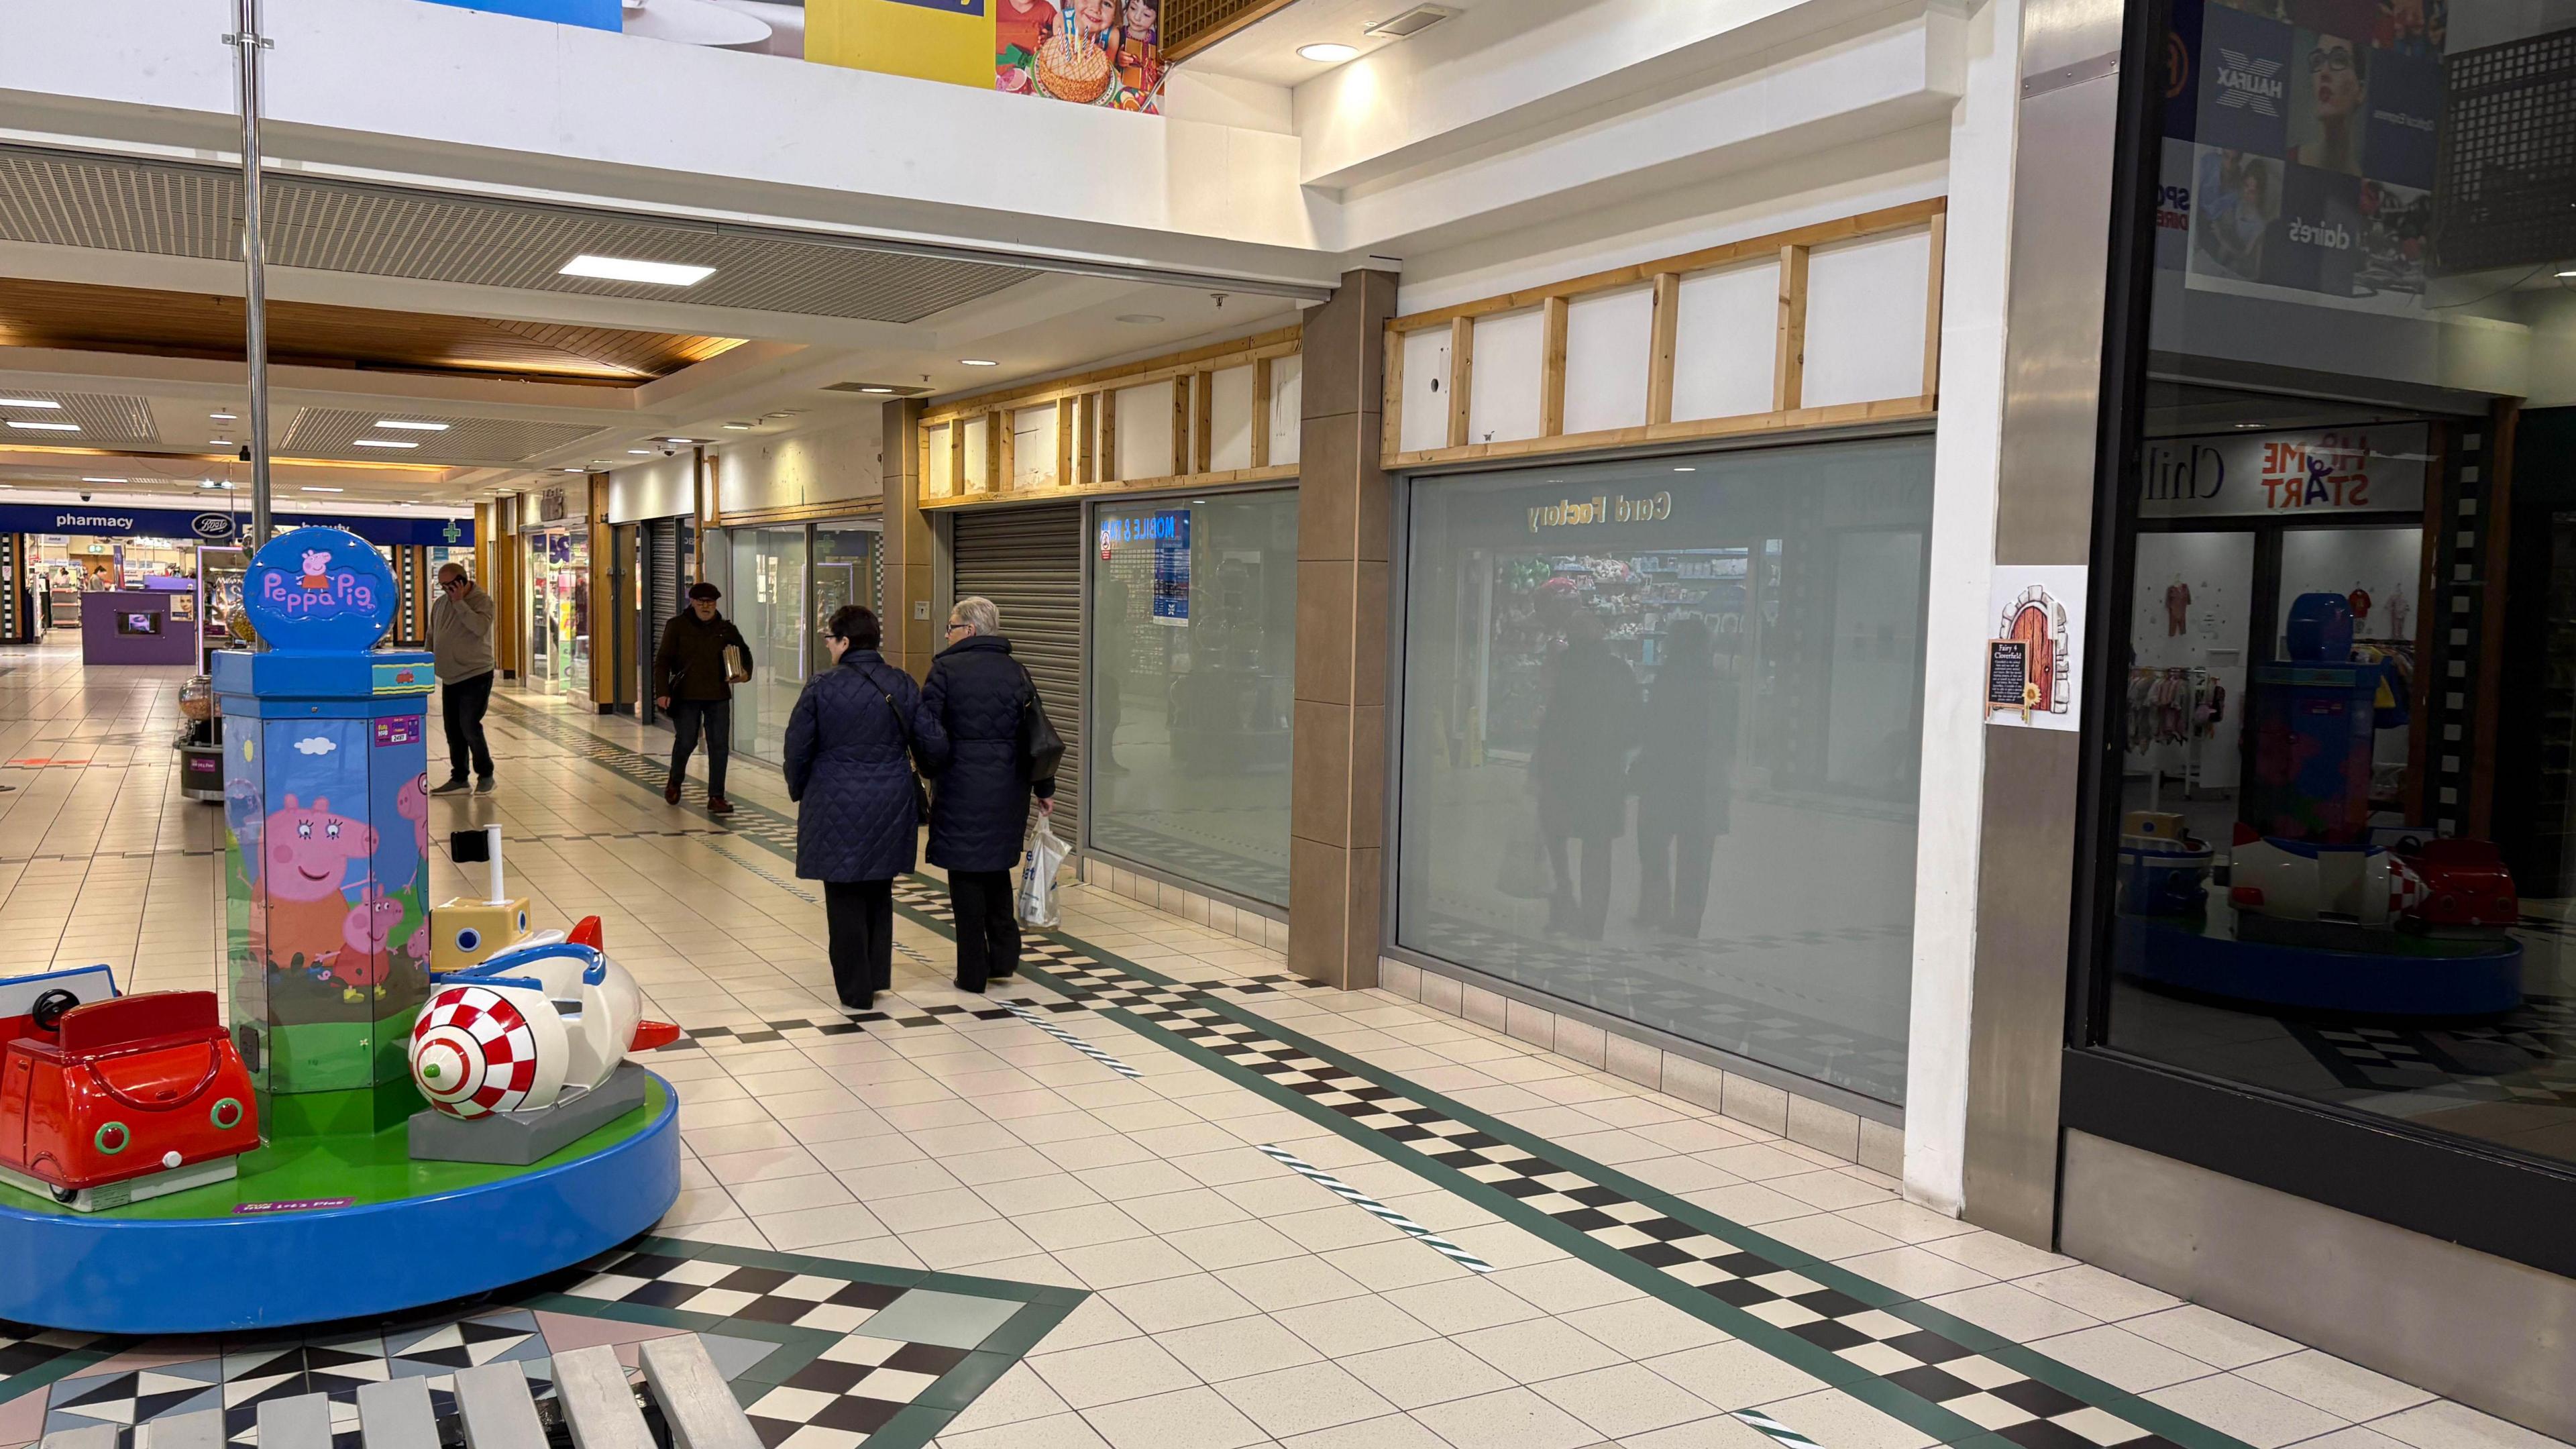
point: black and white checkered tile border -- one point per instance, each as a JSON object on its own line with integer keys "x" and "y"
{"x": 1069, "y": 1039}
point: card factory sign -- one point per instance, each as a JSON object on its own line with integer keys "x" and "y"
{"x": 1601, "y": 508}
{"x": 2286, "y": 475}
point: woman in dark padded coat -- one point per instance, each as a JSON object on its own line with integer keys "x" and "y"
{"x": 848, "y": 773}
{"x": 980, "y": 808}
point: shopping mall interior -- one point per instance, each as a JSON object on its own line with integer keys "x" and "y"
{"x": 1814, "y": 726}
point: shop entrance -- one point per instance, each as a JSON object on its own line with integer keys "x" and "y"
{"x": 559, "y": 610}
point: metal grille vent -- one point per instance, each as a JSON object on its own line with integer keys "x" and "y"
{"x": 167, "y": 209}
{"x": 334, "y": 433}
{"x": 1194, "y": 25}
{"x": 2505, "y": 183}
{"x": 101, "y": 418}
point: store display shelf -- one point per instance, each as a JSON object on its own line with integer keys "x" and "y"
{"x": 333, "y": 1226}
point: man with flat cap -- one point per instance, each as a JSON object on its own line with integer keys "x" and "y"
{"x": 703, "y": 656}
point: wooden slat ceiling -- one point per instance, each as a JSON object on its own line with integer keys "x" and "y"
{"x": 85, "y": 318}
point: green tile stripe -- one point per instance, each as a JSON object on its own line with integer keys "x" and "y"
{"x": 1931, "y": 1418}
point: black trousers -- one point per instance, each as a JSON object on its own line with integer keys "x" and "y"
{"x": 712, "y": 717}
{"x": 988, "y": 926}
{"x": 461, "y": 705}
{"x": 1673, "y": 894}
{"x": 860, "y": 914}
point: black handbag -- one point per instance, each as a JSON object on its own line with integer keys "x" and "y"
{"x": 911, "y": 766}
{"x": 1041, "y": 748}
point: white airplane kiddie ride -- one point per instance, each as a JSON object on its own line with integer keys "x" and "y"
{"x": 519, "y": 1046}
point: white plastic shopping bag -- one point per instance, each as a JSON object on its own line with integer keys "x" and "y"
{"x": 1037, "y": 876}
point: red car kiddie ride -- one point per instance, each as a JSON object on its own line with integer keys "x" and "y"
{"x": 107, "y": 1102}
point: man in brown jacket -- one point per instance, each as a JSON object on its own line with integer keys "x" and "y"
{"x": 460, "y": 646}
{"x": 703, "y": 656}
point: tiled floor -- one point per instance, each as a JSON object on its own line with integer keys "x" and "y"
{"x": 1653, "y": 1270}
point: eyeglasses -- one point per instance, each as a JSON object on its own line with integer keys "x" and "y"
{"x": 2336, "y": 59}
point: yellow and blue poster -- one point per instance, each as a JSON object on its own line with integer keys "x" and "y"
{"x": 1088, "y": 52}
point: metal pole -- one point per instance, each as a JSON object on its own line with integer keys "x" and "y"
{"x": 247, "y": 43}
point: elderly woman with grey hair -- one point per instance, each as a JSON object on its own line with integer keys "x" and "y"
{"x": 980, "y": 808}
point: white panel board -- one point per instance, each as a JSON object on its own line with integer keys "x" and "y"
{"x": 1865, "y": 303}
{"x": 1287, "y": 405}
{"x": 1607, "y": 339}
{"x": 1033, "y": 447}
{"x": 1145, "y": 431}
{"x": 1726, "y": 342}
{"x": 1230, "y": 419}
{"x": 976, "y": 428}
{"x": 1426, "y": 390}
{"x": 939, "y": 478}
{"x": 1503, "y": 378}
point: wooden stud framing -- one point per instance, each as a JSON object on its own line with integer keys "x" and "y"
{"x": 1108, "y": 436}
{"x": 1462, "y": 377}
{"x": 1932, "y": 311}
{"x": 1260, "y": 455}
{"x": 1086, "y": 454}
{"x": 1789, "y": 362}
{"x": 1664, "y": 331}
{"x": 1202, "y": 423}
{"x": 1553, "y": 303}
{"x": 1553, "y": 314}
{"x": 1391, "y": 401}
{"x": 1086, "y": 416}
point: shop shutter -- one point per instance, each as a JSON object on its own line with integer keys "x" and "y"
{"x": 1028, "y": 561}
{"x": 661, "y": 594}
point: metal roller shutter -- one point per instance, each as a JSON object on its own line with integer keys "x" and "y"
{"x": 661, "y": 595}
{"x": 1028, "y": 561}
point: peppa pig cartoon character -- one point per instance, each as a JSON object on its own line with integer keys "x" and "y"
{"x": 412, "y": 803}
{"x": 362, "y": 961}
{"x": 308, "y": 849}
{"x": 317, "y": 569}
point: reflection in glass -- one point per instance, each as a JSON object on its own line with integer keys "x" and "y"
{"x": 1193, "y": 662}
{"x": 1660, "y": 738}
{"x": 2339, "y": 854}
{"x": 767, "y": 603}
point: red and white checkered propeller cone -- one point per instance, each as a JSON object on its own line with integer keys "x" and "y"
{"x": 478, "y": 1049}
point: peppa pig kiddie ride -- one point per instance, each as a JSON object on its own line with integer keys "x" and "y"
{"x": 162, "y": 1174}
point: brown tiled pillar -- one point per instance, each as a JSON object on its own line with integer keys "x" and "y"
{"x": 1343, "y": 517}
{"x": 906, "y": 541}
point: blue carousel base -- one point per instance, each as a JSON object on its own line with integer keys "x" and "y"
{"x": 258, "y": 1268}
{"x": 2306, "y": 978}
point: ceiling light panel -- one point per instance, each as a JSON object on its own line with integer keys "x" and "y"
{"x": 635, "y": 269}
{"x": 101, "y": 417}
{"x": 334, "y": 432}
{"x": 175, "y": 209}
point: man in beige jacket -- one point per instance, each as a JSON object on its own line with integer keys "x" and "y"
{"x": 460, "y": 641}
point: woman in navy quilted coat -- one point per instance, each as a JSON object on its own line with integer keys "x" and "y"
{"x": 980, "y": 810}
{"x": 849, "y": 771}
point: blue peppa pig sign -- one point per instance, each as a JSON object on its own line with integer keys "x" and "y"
{"x": 319, "y": 591}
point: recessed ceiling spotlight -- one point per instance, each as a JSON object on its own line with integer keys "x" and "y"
{"x": 107, "y": 480}
{"x": 385, "y": 443}
{"x": 45, "y": 427}
{"x": 1685, "y": 470}
{"x": 311, "y": 488}
{"x": 629, "y": 269}
{"x": 1329, "y": 52}
{"x": 977, "y": 362}
{"x": 411, "y": 427}
{"x": 1139, "y": 319}
{"x": 223, "y": 417}
{"x": 876, "y": 387}
{"x": 2249, "y": 425}
{"x": 29, "y": 402}
{"x": 572, "y": 470}
{"x": 740, "y": 427}
{"x": 219, "y": 442}
{"x": 639, "y": 452}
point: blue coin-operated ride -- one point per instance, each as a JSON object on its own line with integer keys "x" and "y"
{"x": 327, "y": 964}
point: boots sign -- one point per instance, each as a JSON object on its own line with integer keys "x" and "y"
{"x": 2319, "y": 474}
